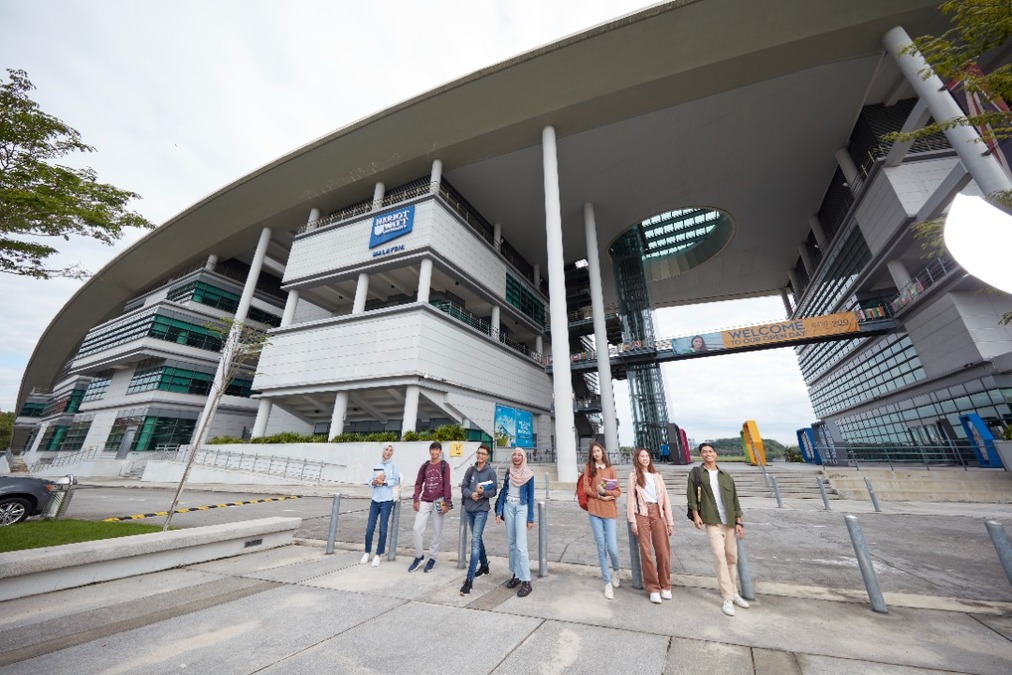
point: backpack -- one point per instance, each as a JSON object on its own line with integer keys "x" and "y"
{"x": 581, "y": 494}
{"x": 698, "y": 475}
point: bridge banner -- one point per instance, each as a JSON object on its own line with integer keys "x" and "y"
{"x": 790, "y": 331}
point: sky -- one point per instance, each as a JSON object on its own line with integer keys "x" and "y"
{"x": 182, "y": 98}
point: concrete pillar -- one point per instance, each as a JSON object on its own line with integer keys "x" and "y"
{"x": 436, "y": 177}
{"x": 495, "y": 320}
{"x": 819, "y": 232}
{"x": 410, "y": 409}
{"x": 600, "y": 331}
{"x": 290, "y": 305}
{"x": 497, "y": 236}
{"x": 985, "y": 170}
{"x": 539, "y": 345}
{"x": 314, "y": 215}
{"x": 537, "y": 276}
{"x": 425, "y": 280}
{"x": 565, "y": 424}
{"x": 787, "y": 303}
{"x": 263, "y": 414}
{"x": 361, "y": 293}
{"x": 212, "y": 261}
{"x": 806, "y": 259}
{"x": 847, "y": 166}
{"x": 898, "y": 271}
{"x": 204, "y": 422}
{"x": 339, "y": 413}
{"x": 795, "y": 285}
{"x": 377, "y": 196}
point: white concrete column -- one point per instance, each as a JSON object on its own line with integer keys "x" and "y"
{"x": 819, "y": 232}
{"x": 898, "y": 271}
{"x": 410, "y": 409}
{"x": 425, "y": 280}
{"x": 361, "y": 293}
{"x": 339, "y": 413}
{"x": 212, "y": 261}
{"x": 787, "y": 302}
{"x": 847, "y": 166}
{"x": 377, "y": 196}
{"x": 436, "y": 177}
{"x": 290, "y": 305}
{"x": 539, "y": 345}
{"x": 495, "y": 320}
{"x": 985, "y": 170}
{"x": 314, "y": 215}
{"x": 806, "y": 259}
{"x": 537, "y": 276}
{"x": 600, "y": 331}
{"x": 497, "y": 236}
{"x": 263, "y": 414}
{"x": 795, "y": 284}
{"x": 565, "y": 424}
{"x": 204, "y": 422}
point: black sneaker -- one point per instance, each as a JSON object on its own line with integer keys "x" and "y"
{"x": 429, "y": 565}
{"x": 466, "y": 588}
{"x": 415, "y": 563}
{"x": 525, "y": 589}
{"x": 481, "y": 570}
{"x": 513, "y": 583}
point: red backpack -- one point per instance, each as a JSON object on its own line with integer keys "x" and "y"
{"x": 581, "y": 494}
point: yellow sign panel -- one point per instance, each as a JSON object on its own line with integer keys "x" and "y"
{"x": 785, "y": 331}
{"x": 752, "y": 443}
{"x": 456, "y": 449}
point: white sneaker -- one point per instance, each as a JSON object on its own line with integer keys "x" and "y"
{"x": 609, "y": 592}
{"x": 665, "y": 595}
{"x": 615, "y": 581}
{"x": 364, "y": 560}
{"x": 656, "y": 599}
{"x": 728, "y": 608}
{"x": 740, "y": 601}
{"x": 376, "y": 561}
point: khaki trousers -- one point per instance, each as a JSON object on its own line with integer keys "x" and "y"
{"x": 724, "y": 546}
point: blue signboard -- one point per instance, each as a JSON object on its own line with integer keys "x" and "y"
{"x": 390, "y": 225}
{"x": 513, "y": 428}
{"x": 981, "y": 439}
{"x": 806, "y": 443}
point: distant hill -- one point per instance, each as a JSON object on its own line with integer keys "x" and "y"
{"x": 731, "y": 447}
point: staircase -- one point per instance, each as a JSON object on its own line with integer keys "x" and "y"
{"x": 794, "y": 481}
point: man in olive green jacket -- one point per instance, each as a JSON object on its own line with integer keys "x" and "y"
{"x": 713, "y": 501}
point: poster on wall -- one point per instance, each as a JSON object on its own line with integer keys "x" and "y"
{"x": 513, "y": 428}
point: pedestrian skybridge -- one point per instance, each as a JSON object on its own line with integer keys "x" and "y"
{"x": 788, "y": 333}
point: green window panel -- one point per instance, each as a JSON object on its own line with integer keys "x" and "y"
{"x": 32, "y": 409}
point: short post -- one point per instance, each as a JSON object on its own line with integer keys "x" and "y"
{"x": 776, "y": 493}
{"x": 542, "y": 542}
{"x": 871, "y": 492}
{"x": 546, "y": 486}
{"x": 335, "y": 510}
{"x": 634, "y": 559}
{"x": 822, "y": 489}
{"x": 864, "y": 562}
{"x": 744, "y": 578}
{"x": 395, "y": 521}
{"x": 1001, "y": 546}
{"x": 462, "y": 546}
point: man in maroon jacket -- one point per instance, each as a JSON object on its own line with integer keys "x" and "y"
{"x": 433, "y": 494}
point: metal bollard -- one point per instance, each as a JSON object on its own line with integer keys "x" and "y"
{"x": 634, "y": 559}
{"x": 871, "y": 492}
{"x": 776, "y": 493}
{"x": 462, "y": 543}
{"x": 546, "y": 486}
{"x": 864, "y": 562}
{"x": 744, "y": 578}
{"x": 1001, "y": 546}
{"x": 542, "y": 542}
{"x": 822, "y": 489}
{"x": 335, "y": 510}
{"x": 395, "y": 521}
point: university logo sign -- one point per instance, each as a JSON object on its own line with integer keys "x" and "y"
{"x": 390, "y": 225}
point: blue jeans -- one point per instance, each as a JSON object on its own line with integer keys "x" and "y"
{"x": 381, "y": 509}
{"x": 476, "y": 521}
{"x": 607, "y": 545}
{"x": 515, "y": 515}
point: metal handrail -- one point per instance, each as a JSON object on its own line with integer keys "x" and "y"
{"x": 907, "y": 456}
{"x": 64, "y": 459}
{"x": 271, "y": 465}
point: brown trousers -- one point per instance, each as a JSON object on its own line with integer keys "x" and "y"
{"x": 652, "y": 530}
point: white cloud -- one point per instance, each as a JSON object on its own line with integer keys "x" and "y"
{"x": 181, "y": 98}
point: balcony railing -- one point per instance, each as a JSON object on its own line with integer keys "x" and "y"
{"x": 936, "y": 270}
{"x": 483, "y": 327}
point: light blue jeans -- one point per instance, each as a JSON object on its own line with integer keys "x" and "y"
{"x": 476, "y": 521}
{"x": 607, "y": 545}
{"x": 515, "y": 515}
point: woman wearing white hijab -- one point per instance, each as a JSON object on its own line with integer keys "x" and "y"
{"x": 517, "y": 492}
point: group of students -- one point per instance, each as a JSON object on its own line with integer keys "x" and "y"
{"x": 514, "y": 506}
{"x": 711, "y": 494}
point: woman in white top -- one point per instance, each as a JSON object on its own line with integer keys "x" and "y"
{"x": 648, "y": 510}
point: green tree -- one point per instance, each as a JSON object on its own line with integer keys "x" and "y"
{"x": 6, "y": 429}
{"x": 41, "y": 199}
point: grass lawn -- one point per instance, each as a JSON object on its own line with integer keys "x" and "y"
{"x": 39, "y": 533}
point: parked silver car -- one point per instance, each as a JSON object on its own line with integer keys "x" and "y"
{"x": 23, "y": 496}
